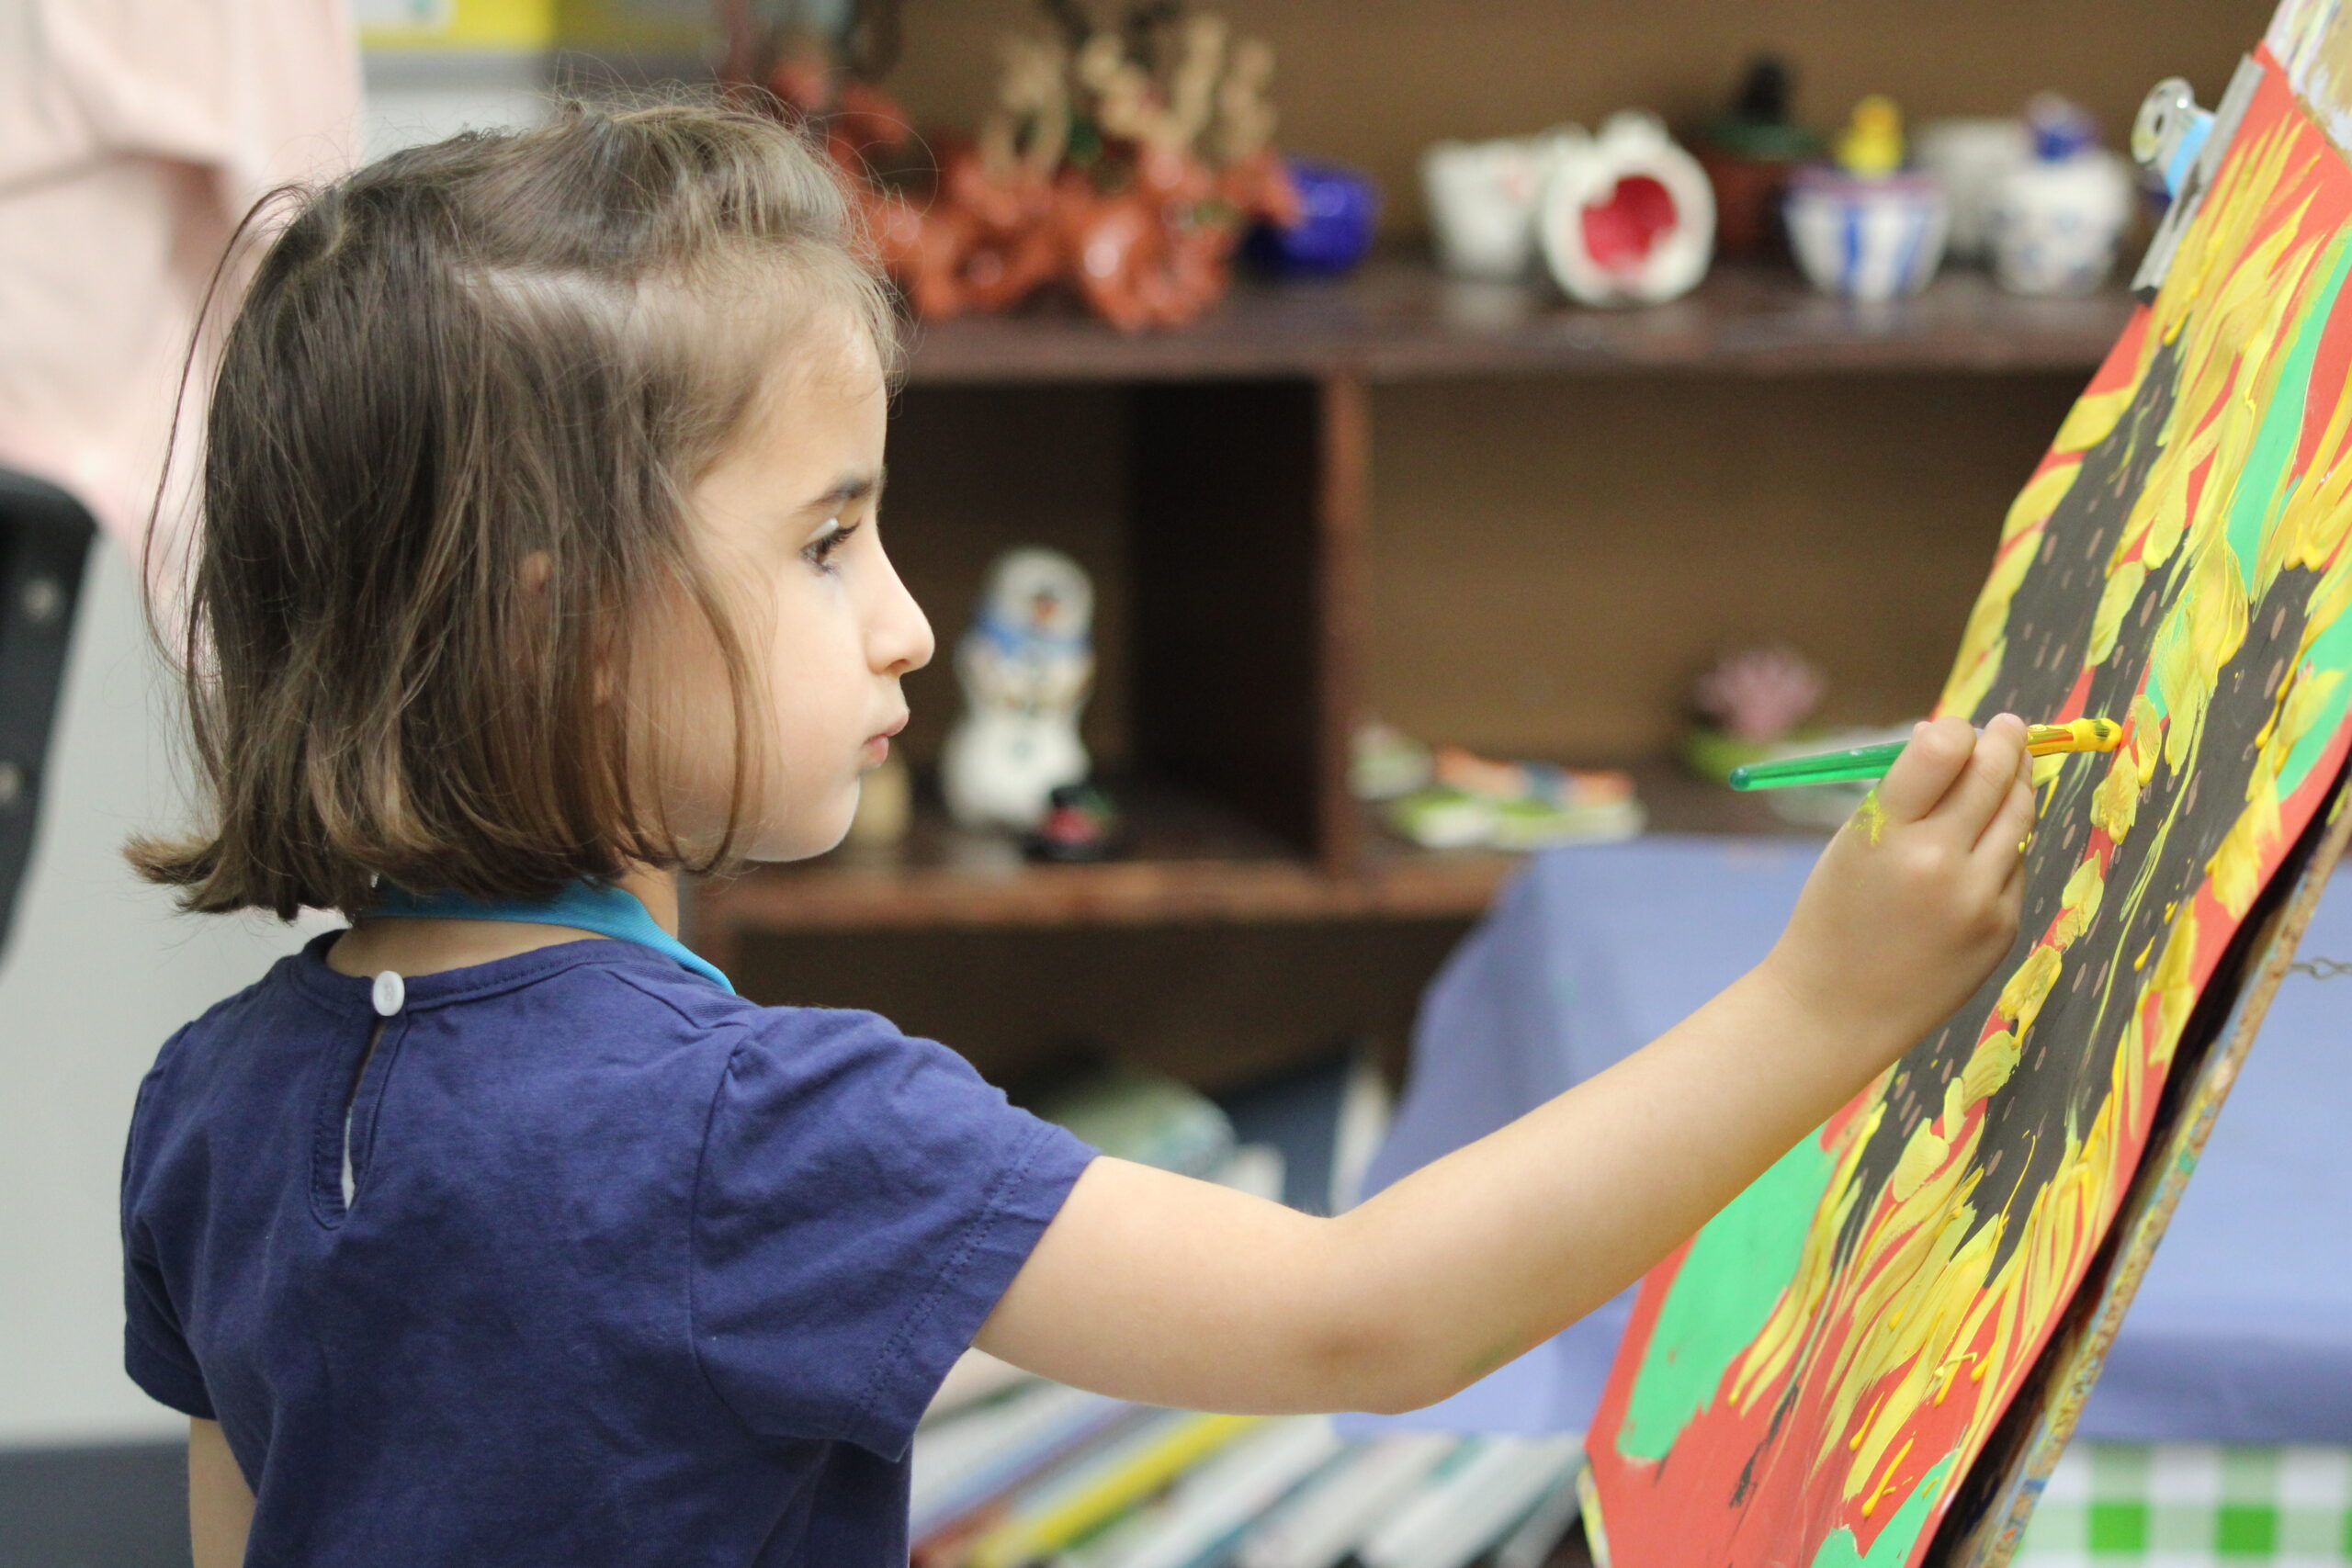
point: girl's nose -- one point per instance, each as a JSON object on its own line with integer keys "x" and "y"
{"x": 901, "y": 641}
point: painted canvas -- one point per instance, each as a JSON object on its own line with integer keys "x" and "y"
{"x": 1810, "y": 1380}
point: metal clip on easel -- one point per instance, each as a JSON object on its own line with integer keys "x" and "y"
{"x": 2170, "y": 132}
{"x": 2183, "y": 145}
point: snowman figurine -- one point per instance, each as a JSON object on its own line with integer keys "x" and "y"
{"x": 1026, "y": 665}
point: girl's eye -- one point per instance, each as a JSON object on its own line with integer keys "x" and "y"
{"x": 819, "y": 552}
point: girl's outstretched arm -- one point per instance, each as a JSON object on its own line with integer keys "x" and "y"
{"x": 1173, "y": 1292}
{"x": 219, "y": 1504}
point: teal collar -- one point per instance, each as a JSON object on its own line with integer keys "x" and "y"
{"x": 585, "y": 905}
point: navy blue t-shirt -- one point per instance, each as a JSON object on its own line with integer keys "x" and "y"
{"x": 635, "y": 1271}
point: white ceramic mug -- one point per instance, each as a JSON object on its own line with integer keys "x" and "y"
{"x": 1482, "y": 198}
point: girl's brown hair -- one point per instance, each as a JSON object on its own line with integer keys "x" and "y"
{"x": 444, "y": 487}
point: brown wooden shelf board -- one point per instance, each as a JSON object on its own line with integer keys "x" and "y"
{"x": 1397, "y": 318}
{"x": 1188, "y": 864}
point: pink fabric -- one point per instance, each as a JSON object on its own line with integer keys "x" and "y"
{"x": 133, "y": 136}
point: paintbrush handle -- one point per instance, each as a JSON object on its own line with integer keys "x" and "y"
{"x": 1829, "y": 767}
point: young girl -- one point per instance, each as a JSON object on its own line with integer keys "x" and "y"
{"x": 540, "y": 559}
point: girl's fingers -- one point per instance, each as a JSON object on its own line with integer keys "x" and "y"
{"x": 1982, "y": 787}
{"x": 1936, "y": 754}
{"x": 2011, "y": 897}
{"x": 2000, "y": 848}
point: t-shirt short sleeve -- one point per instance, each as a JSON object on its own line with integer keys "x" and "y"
{"x": 864, "y": 1201}
{"x": 154, "y": 1348}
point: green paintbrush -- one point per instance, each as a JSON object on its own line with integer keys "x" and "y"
{"x": 1872, "y": 761}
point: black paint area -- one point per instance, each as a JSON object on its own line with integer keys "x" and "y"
{"x": 2064, "y": 1076}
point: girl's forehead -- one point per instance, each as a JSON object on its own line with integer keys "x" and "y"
{"x": 823, "y": 412}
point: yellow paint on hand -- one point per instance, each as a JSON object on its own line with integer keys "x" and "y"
{"x": 1871, "y": 816}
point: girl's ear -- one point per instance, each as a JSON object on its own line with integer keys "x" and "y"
{"x": 537, "y": 566}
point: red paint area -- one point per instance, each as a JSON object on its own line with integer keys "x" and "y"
{"x": 1620, "y": 233}
{"x": 2121, "y": 366}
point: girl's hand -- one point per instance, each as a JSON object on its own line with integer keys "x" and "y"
{"x": 1917, "y": 898}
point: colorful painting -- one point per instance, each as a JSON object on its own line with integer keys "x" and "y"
{"x": 1809, "y": 1380}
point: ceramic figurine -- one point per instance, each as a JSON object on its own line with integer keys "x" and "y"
{"x": 2058, "y": 219}
{"x": 1026, "y": 665}
{"x": 1868, "y": 229}
{"x": 1748, "y": 154}
{"x": 1081, "y": 824}
{"x": 1482, "y": 198}
{"x": 1871, "y": 147}
{"x": 1968, "y": 158}
{"x": 1627, "y": 216}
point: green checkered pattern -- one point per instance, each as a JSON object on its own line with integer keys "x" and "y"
{"x": 2193, "y": 1505}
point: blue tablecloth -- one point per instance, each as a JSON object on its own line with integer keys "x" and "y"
{"x": 2242, "y": 1331}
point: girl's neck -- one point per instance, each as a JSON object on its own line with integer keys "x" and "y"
{"x": 426, "y": 947}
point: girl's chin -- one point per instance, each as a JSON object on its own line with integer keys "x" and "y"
{"x": 810, "y": 834}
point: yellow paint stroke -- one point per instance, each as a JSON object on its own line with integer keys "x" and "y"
{"x": 2123, "y": 584}
{"x": 1886, "y": 1481}
{"x": 2078, "y": 905}
{"x": 2206, "y": 627}
{"x": 2029, "y": 988}
{"x": 2092, "y": 420}
{"x": 2115, "y": 803}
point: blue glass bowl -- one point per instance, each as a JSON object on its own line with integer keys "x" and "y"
{"x": 1338, "y": 209}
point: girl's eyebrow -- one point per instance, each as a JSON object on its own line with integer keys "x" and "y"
{"x": 849, "y": 488}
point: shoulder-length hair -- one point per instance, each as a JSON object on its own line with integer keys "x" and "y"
{"x": 443, "y": 495}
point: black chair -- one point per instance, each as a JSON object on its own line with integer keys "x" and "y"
{"x": 45, "y": 538}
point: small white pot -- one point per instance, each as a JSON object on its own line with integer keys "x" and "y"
{"x": 2057, "y": 225}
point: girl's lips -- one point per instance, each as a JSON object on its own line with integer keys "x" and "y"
{"x": 877, "y": 748}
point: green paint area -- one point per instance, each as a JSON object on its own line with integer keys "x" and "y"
{"x": 2263, "y": 485}
{"x": 2331, "y": 650}
{"x": 2264, "y": 490}
{"x": 1894, "y": 1544}
{"x": 1722, "y": 1297}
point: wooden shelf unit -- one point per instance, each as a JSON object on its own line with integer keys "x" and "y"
{"x": 1247, "y": 438}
